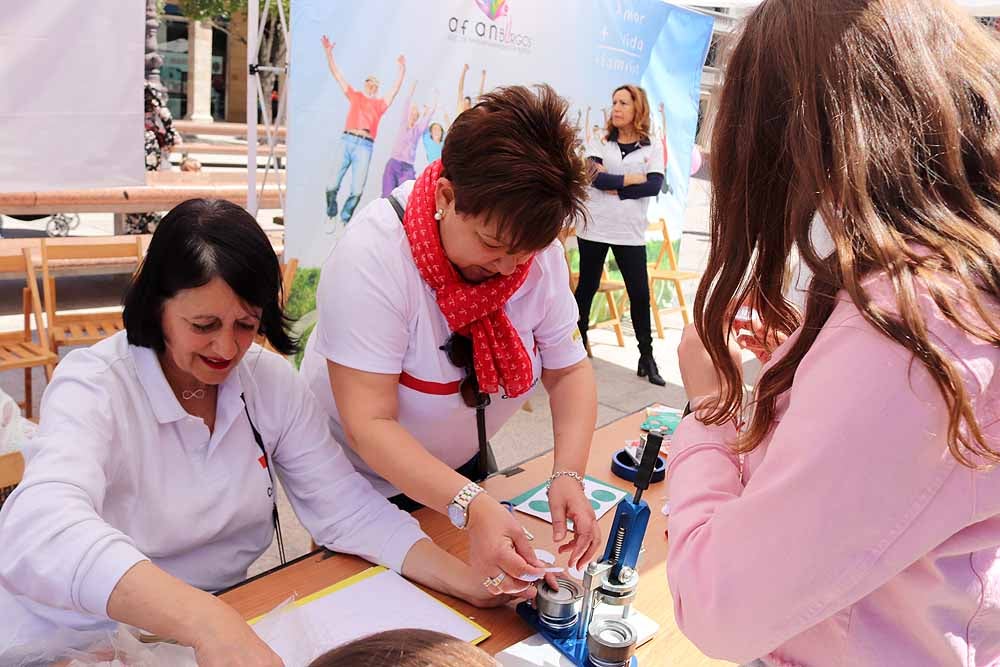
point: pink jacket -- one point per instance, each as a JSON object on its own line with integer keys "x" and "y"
{"x": 854, "y": 538}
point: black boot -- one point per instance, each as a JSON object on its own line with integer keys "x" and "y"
{"x": 647, "y": 368}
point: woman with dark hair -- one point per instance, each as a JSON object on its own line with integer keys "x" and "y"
{"x": 406, "y": 648}
{"x": 853, "y": 516}
{"x": 151, "y": 479}
{"x": 440, "y": 313}
{"x": 628, "y": 172}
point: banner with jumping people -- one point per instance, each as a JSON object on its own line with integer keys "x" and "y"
{"x": 375, "y": 86}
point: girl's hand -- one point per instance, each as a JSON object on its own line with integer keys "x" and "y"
{"x": 701, "y": 379}
{"x": 750, "y": 334}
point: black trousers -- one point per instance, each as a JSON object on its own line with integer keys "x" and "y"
{"x": 468, "y": 470}
{"x": 631, "y": 261}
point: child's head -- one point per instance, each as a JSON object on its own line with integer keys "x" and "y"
{"x": 883, "y": 116}
{"x": 406, "y": 648}
{"x": 437, "y": 132}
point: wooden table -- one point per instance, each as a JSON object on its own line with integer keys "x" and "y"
{"x": 206, "y": 148}
{"x": 85, "y": 267}
{"x": 162, "y": 191}
{"x": 318, "y": 570}
{"x": 224, "y": 129}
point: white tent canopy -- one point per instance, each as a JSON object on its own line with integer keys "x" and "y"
{"x": 976, "y": 7}
{"x": 71, "y": 114}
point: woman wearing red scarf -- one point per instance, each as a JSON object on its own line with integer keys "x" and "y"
{"x": 452, "y": 294}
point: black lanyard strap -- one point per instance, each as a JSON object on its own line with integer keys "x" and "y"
{"x": 270, "y": 490}
{"x": 484, "y": 459}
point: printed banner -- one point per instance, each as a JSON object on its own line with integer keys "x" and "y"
{"x": 376, "y": 84}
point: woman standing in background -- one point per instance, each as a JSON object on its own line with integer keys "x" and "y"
{"x": 628, "y": 172}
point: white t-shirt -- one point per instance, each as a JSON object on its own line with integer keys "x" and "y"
{"x": 376, "y": 314}
{"x": 119, "y": 472}
{"x": 613, "y": 220}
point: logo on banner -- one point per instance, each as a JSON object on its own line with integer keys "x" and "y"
{"x": 489, "y": 33}
{"x": 493, "y": 9}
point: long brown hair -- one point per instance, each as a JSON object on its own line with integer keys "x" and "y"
{"x": 881, "y": 116}
{"x": 406, "y": 648}
{"x": 641, "y": 121}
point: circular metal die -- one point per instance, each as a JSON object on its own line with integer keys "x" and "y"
{"x": 559, "y": 609}
{"x": 618, "y": 600}
{"x": 610, "y": 642}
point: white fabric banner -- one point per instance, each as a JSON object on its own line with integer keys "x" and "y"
{"x": 71, "y": 112}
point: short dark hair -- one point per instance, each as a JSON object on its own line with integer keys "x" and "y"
{"x": 514, "y": 157}
{"x": 196, "y": 241}
{"x": 406, "y": 648}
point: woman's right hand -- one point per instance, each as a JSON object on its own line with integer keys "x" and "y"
{"x": 497, "y": 544}
{"x": 228, "y": 641}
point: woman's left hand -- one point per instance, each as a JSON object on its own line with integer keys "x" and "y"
{"x": 567, "y": 501}
{"x": 701, "y": 379}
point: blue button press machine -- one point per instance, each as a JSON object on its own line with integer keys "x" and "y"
{"x": 565, "y": 616}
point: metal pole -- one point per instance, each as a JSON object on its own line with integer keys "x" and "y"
{"x": 252, "y": 47}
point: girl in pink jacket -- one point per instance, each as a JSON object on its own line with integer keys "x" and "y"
{"x": 850, "y": 515}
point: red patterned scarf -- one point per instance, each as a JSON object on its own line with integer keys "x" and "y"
{"x": 471, "y": 309}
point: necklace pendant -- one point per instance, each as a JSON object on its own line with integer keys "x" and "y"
{"x": 188, "y": 394}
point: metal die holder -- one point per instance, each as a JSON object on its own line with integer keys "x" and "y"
{"x": 621, "y": 594}
{"x": 611, "y": 643}
{"x": 559, "y": 610}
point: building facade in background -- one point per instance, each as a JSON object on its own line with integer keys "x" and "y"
{"x": 204, "y": 66}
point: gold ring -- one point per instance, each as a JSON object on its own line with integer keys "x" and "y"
{"x": 494, "y": 582}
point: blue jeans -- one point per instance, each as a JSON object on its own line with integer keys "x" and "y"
{"x": 357, "y": 156}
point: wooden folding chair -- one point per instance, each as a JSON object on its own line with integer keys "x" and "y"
{"x": 82, "y": 328}
{"x": 11, "y": 473}
{"x": 17, "y": 348}
{"x": 607, "y": 287}
{"x": 288, "y": 271}
{"x": 669, "y": 273}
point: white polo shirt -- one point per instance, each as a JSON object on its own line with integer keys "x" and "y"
{"x": 613, "y": 220}
{"x": 119, "y": 472}
{"x": 376, "y": 314}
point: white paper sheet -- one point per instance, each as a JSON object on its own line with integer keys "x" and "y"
{"x": 372, "y": 601}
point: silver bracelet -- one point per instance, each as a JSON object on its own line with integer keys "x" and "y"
{"x": 564, "y": 473}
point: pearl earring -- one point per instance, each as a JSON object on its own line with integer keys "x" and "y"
{"x": 439, "y": 214}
